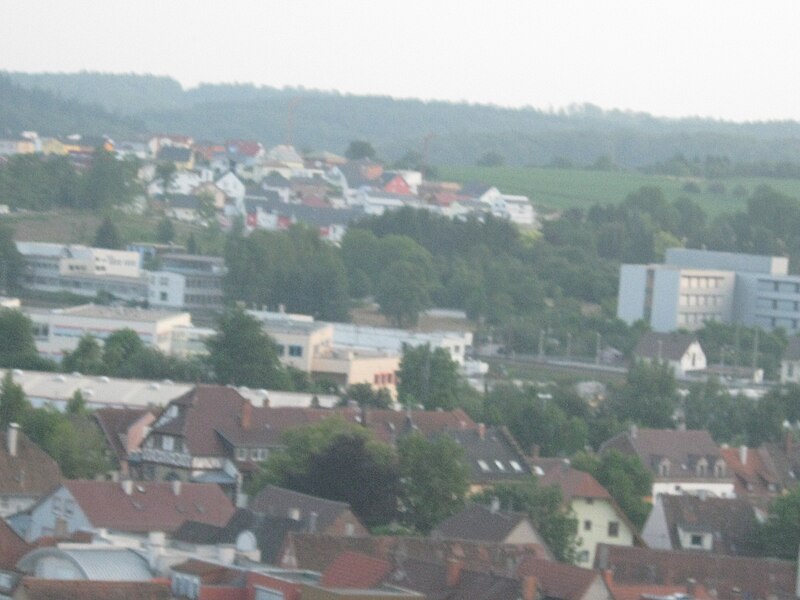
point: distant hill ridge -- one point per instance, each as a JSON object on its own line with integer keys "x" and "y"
{"x": 457, "y": 133}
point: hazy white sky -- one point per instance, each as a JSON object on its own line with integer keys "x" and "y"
{"x": 727, "y": 59}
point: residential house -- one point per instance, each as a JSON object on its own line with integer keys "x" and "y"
{"x": 517, "y": 209}
{"x": 27, "y": 472}
{"x": 126, "y": 506}
{"x": 563, "y": 581}
{"x": 491, "y": 524}
{"x": 187, "y": 208}
{"x": 482, "y": 192}
{"x": 755, "y": 475}
{"x": 689, "y": 590}
{"x": 377, "y": 202}
{"x": 790, "y": 361}
{"x": 232, "y": 186}
{"x": 255, "y": 536}
{"x": 492, "y": 456}
{"x": 681, "y": 461}
{"x": 182, "y": 158}
{"x": 124, "y": 430}
{"x": 323, "y": 516}
{"x": 681, "y": 351}
{"x": 394, "y": 183}
{"x": 348, "y": 577}
{"x": 157, "y": 142}
{"x": 725, "y": 577}
{"x": 16, "y": 145}
{"x": 714, "y": 525}
{"x": 600, "y": 519}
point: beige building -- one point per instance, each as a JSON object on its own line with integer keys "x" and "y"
{"x": 308, "y": 345}
{"x": 59, "y": 330}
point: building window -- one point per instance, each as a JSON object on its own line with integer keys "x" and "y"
{"x": 516, "y": 466}
{"x": 587, "y": 525}
{"x": 268, "y": 594}
{"x": 295, "y": 350}
{"x": 500, "y": 465}
{"x": 241, "y": 454}
{"x": 484, "y": 467}
{"x": 163, "y": 296}
{"x": 167, "y": 442}
{"x": 613, "y": 529}
{"x": 696, "y": 540}
{"x": 583, "y": 556}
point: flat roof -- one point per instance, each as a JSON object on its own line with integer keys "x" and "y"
{"x": 126, "y": 313}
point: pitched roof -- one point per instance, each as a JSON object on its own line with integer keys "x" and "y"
{"x": 355, "y": 570}
{"x": 210, "y": 573}
{"x": 431, "y": 579}
{"x": 280, "y": 502}
{"x": 558, "y": 580}
{"x": 388, "y": 424}
{"x": 475, "y": 189}
{"x": 757, "y": 476}
{"x": 12, "y": 546}
{"x": 479, "y": 523}
{"x": 115, "y": 422}
{"x": 731, "y": 577}
{"x": 151, "y": 505}
{"x": 663, "y": 346}
{"x": 174, "y": 154}
{"x": 30, "y": 472}
{"x": 316, "y": 551}
{"x": 270, "y": 532}
{"x": 731, "y": 521}
{"x": 683, "y": 448}
{"x": 491, "y": 454}
{"x": 622, "y": 591}
{"x": 54, "y": 589}
{"x": 574, "y": 483}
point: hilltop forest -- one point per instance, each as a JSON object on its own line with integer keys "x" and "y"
{"x": 443, "y": 133}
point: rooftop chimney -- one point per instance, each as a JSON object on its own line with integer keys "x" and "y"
{"x": 176, "y": 487}
{"x": 246, "y": 417}
{"x": 454, "y": 567}
{"x": 127, "y": 486}
{"x": 312, "y": 522}
{"x": 481, "y": 431}
{"x": 529, "y": 591}
{"x": 743, "y": 454}
{"x": 691, "y": 587}
{"x": 495, "y": 506}
{"x": 12, "y": 438}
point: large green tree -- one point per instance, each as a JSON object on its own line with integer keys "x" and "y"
{"x": 87, "y": 357}
{"x": 403, "y": 291}
{"x": 359, "y": 149}
{"x": 428, "y": 377}
{"x": 18, "y": 348}
{"x": 780, "y": 534}
{"x": 626, "y": 479}
{"x": 649, "y": 395}
{"x": 107, "y": 235}
{"x": 341, "y": 461}
{"x": 241, "y": 353}
{"x": 434, "y": 479}
{"x": 13, "y": 403}
{"x": 11, "y": 262}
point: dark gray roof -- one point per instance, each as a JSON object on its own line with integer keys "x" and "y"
{"x": 270, "y": 532}
{"x": 491, "y": 456}
{"x": 683, "y": 449}
{"x": 311, "y": 215}
{"x": 663, "y": 346}
{"x": 280, "y": 502}
{"x": 174, "y": 154}
{"x": 275, "y": 180}
{"x": 475, "y": 189}
{"x": 731, "y": 521}
{"x": 480, "y": 523}
{"x": 431, "y": 580}
{"x": 189, "y": 201}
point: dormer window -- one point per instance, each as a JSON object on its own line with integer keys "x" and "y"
{"x": 663, "y": 468}
{"x": 719, "y": 468}
{"x": 484, "y": 467}
{"x": 701, "y": 469}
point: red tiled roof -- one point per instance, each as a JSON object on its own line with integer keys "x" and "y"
{"x": 54, "y": 589}
{"x": 574, "y": 483}
{"x": 151, "y": 506}
{"x": 31, "y": 472}
{"x": 558, "y": 580}
{"x": 115, "y": 422}
{"x": 752, "y": 477}
{"x": 355, "y": 570}
{"x": 12, "y": 547}
{"x": 209, "y": 573}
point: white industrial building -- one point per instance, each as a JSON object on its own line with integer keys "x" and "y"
{"x": 695, "y": 286}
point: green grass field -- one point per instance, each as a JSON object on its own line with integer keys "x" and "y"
{"x": 557, "y": 189}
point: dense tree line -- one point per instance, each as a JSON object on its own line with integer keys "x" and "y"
{"x": 36, "y": 182}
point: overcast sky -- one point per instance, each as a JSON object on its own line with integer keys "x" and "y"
{"x": 726, "y": 59}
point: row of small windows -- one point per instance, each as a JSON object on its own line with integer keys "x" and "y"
{"x": 774, "y": 322}
{"x": 294, "y": 350}
{"x": 774, "y": 304}
{"x": 613, "y": 527}
{"x": 514, "y": 466}
{"x": 701, "y": 282}
{"x": 700, "y": 300}
{"x": 785, "y": 287}
{"x": 383, "y": 378}
{"x": 252, "y": 453}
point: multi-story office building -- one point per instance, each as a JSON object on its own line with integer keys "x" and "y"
{"x": 695, "y": 286}
{"x": 188, "y": 281}
{"x": 82, "y": 270}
